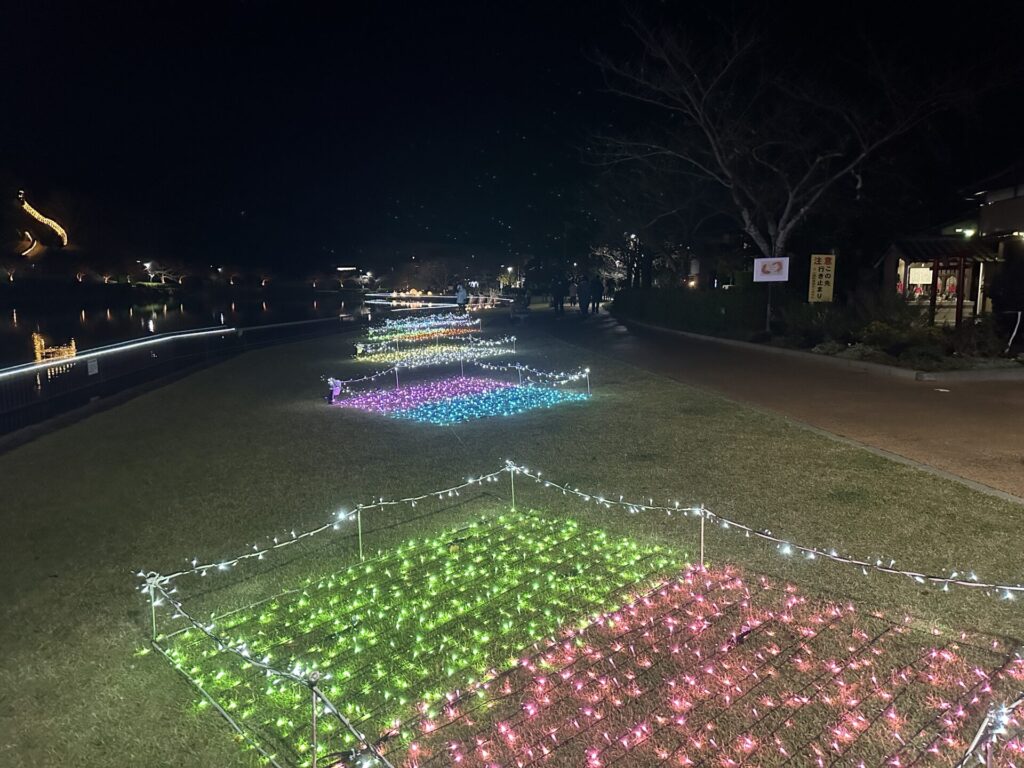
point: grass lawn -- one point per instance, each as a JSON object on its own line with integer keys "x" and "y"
{"x": 216, "y": 462}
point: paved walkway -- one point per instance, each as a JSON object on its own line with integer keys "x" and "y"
{"x": 974, "y": 431}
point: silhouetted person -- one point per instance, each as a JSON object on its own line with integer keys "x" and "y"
{"x": 460, "y": 298}
{"x": 596, "y": 293}
{"x": 584, "y": 295}
{"x": 572, "y": 293}
{"x": 333, "y": 390}
{"x": 558, "y": 294}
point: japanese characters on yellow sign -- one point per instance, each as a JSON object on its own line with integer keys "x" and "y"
{"x": 823, "y": 277}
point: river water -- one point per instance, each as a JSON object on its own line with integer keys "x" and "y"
{"x": 92, "y": 327}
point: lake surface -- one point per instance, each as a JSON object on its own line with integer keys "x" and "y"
{"x": 93, "y": 327}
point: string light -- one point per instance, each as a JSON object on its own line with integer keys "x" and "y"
{"x": 784, "y": 546}
{"x": 424, "y": 322}
{"x": 432, "y": 334}
{"x": 433, "y": 354}
{"x": 552, "y": 377}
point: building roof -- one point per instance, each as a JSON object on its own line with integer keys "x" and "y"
{"x": 943, "y": 248}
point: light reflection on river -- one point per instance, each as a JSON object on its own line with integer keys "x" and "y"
{"x": 95, "y": 327}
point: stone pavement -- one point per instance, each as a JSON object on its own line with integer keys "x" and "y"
{"x": 973, "y": 431}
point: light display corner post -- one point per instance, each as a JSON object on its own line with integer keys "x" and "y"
{"x": 311, "y": 681}
{"x": 152, "y": 585}
{"x": 511, "y": 468}
{"x": 703, "y": 517}
{"x": 359, "y": 528}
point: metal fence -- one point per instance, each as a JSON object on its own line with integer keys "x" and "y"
{"x": 35, "y": 392}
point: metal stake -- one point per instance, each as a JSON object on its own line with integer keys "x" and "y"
{"x": 396, "y": 377}
{"x": 359, "y": 527}
{"x": 519, "y": 370}
{"x": 152, "y": 605}
{"x": 462, "y": 365}
{"x": 313, "y": 678}
{"x": 702, "y": 516}
{"x": 512, "y": 475}
{"x": 588, "y": 382}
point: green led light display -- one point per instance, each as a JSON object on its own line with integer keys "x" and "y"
{"x": 392, "y": 635}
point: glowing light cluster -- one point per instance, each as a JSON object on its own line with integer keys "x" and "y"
{"x": 708, "y": 669}
{"x": 423, "y": 322}
{"x": 432, "y": 335}
{"x": 409, "y": 397}
{"x": 459, "y": 399}
{"x": 432, "y": 354}
{"x": 57, "y": 228}
{"x": 388, "y": 637}
{"x": 418, "y": 329}
{"x": 502, "y": 401}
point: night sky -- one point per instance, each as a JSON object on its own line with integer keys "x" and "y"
{"x": 286, "y": 134}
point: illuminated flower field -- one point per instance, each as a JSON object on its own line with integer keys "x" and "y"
{"x": 393, "y": 634}
{"x": 710, "y": 670}
{"x": 396, "y": 326}
{"x": 410, "y": 337}
{"x": 460, "y": 399}
{"x": 432, "y": 354}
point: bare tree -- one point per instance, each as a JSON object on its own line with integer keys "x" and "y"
{"x": 733, "y": 114}
{"x": 648, "y": 214}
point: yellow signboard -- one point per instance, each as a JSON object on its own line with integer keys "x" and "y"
{"x": 823, "y": 277}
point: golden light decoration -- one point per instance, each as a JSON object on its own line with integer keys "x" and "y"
{"x": 44, "y": 354}
{"x": 61, "y": 233}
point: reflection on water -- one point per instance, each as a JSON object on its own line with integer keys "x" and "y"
{"x": 95, "y": 327}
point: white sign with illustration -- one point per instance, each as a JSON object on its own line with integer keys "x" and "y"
{"x": 773, "y": 270}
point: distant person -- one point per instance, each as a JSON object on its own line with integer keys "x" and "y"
{"x": 572, "y": 293}
{"x": 596, "y": 294}
{"x": 609, "y": 289}
{"x": 558, "y": 294}
{"x": 583, "y": 292}
{"x": 461, "y": 297}
{"x": 333, "y": 390}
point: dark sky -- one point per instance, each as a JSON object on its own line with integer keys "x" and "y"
{"x": 289, "y": 132}
{"x": 266, "y": 128}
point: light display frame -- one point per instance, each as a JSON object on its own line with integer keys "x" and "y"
{"x": 999, "y": 732}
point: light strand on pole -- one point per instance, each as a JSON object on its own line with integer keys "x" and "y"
{"x": 438, "y": 320}
{"x": 997, "y": 723}
{"x": 432, "y": 354}
{"x": 553, "y": 377}
{"x": 257, "y": 552}
{"x": 785, "y": 546}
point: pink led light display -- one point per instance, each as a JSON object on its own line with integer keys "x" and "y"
{"x": 714, "y": 670}
{"x": 409, "y": 397}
